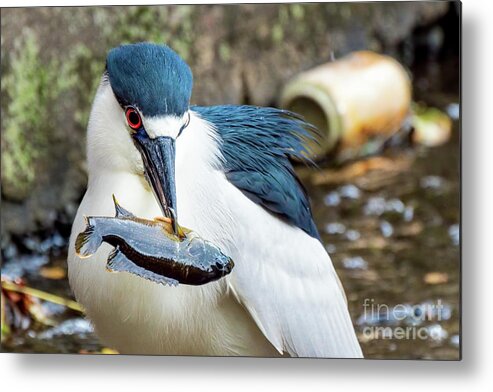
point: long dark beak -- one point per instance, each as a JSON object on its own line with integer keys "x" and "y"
{"x": 158, "y": 155}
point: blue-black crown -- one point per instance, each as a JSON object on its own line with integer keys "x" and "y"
{"x": 151, "y": 77}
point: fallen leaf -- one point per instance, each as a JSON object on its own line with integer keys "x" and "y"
{"x": 107, "y": 350}
{"x": 382, "y": 165}
{"x": 436, "y": 278}
{"x": 55, "y": 273}
{"x": 411, "y": 229}
{"x": 104, "y": 350}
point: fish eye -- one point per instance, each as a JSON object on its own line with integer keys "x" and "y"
{"x": 133, "y": 118}
{"x": 195, "y": 248}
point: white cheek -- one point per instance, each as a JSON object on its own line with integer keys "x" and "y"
{"x": 109, "y": 144}
{"x": 197, "y": 147}
{"x": 164, "y": 125}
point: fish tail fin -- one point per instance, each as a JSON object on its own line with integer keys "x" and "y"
{"x": 88, "y": 241}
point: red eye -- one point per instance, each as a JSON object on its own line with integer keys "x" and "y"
{"x": 133, "y": 118}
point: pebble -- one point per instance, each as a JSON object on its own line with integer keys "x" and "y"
{"x": 378, "y": 205}
{"x": 353, "y": 235}
{"x": 355, "y": 263}
{"x": 455, "y": 340}
{"x": 454, "y": 233}
{"x": 332, "y": 199}
{"x": 77, "y": 326}
{"x": 23, "y": 265}
{"x": 350, "y": 192}
{"x": 432, "y": 182}
{"x": 335, "y": 228}
{"x": 409, "y": 213}
{"x": 386, "y": 228}
{"x": 330, "y": 248}
{"x": 453, "y": 110}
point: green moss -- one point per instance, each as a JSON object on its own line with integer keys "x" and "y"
{"x": 24, "y": 86}
{"x": 284, "y": 17}
{"x": 277, "y": 33}
{"x": 30, "y": 88}
{"x": 164, "y": 24}
{"x": 298, "y": 11}
{"x": 224, "y": 51}
{"x": 82, "y": 69}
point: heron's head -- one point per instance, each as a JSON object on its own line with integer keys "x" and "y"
{"x": 140, "y": 109}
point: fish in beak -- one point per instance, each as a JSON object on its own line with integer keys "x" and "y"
{"x": 158, "y": 155}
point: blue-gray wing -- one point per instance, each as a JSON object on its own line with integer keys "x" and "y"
{"x": 258, "y": 144}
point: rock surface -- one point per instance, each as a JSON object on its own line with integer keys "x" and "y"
{"x": 52, "y": 59}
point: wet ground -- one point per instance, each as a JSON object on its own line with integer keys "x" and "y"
{"x": 390, "y": 223}
{"x": 393, "y": 236}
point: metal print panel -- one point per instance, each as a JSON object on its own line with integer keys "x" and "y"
{"x": 268, "y": 180}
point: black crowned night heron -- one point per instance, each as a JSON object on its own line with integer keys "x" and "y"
{"x": 225, "y": 171}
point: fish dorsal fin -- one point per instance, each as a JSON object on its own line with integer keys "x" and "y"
{"x": 121, "y": 212}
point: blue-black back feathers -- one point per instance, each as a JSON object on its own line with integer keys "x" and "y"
{"x": 257, "y": 145}
{"x": 151, "y": 77}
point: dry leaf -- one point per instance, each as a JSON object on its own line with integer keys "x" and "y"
{"x": 107, "y": 350}
{"x": 55, "y": 273}
{"x": 386, "y": 167}
{"x": 436, "y": 278}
